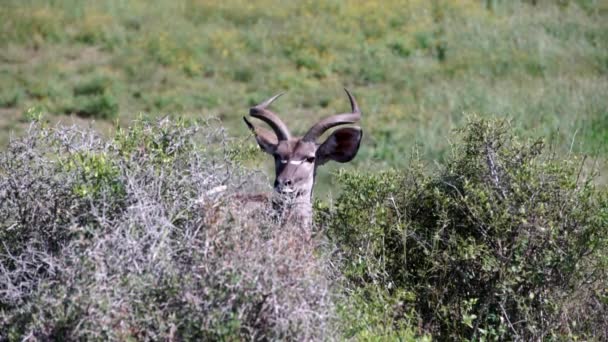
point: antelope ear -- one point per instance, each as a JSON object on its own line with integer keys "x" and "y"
{"x": 342, "y": 145}
{"x": 265, "y": 138}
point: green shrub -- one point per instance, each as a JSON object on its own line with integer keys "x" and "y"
{"x": 11, "y": 98}
{"x": 97, "y": 174}
{"x": 94, "y": 98}
{"x": 506, "y": 241}
{"x": 103, "y": 106}
{"x": 95, "y": 85}
{"x": 371, "y": 313}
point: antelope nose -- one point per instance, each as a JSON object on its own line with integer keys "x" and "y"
{"x": 283, "y": 183}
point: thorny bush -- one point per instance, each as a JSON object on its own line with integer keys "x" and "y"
{"x": 506, "y": 241}
{"x": 139, "y": 237}
{"x": 136, "y": 237}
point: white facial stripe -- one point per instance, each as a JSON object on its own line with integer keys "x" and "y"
{"x": 296, "y": 162}
{"x": 283, "y": 161}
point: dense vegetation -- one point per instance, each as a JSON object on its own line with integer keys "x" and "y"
{"x": 507, "y": 241}
{"x": 139, "y": 236}
{"x": 129, "y": 230}
{"x": 131, "y": 238}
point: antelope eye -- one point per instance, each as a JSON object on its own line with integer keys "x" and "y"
{"x": 280, "y": 158}
{"x": 310, "y": 159}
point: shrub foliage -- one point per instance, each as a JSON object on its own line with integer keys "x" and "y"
{"x": 506, "y": 241}
{"x": 139, "y": 236}
{"x": 134, "y": 237}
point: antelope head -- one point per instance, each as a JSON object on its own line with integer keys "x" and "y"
{"x": 297, "y": 158}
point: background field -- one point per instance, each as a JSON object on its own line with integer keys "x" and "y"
{"x": 417, "y": 67}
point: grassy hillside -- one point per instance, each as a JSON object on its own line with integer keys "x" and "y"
{"x": 134, "y": 234}
{"x": 416, "y": 67}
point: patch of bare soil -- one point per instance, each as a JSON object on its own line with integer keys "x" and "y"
{"x": 90, "y": 55}
{"x": 68, "y": 56}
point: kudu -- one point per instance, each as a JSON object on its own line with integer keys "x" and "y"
{"x": 296, "y": 158}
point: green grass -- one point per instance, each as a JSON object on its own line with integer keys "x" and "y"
{"x": 416, "y": 67}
